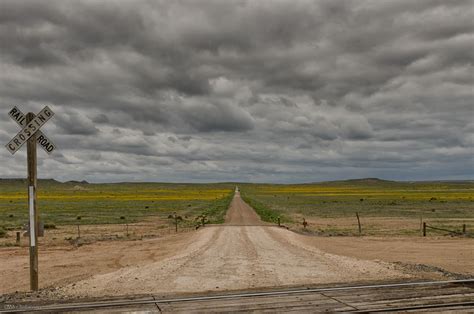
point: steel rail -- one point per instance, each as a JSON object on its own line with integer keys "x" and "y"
{"x": 151, "y": 300}
{"x": 416, "y": 307}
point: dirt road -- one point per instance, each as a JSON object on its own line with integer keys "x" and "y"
{"x": 242, "y": 254}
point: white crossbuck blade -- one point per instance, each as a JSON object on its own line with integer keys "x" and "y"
{"x": 41, "y": 138}
{"x": 30, "y": 129}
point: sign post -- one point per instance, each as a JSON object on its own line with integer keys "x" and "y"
{"x": 31, "y": 134}
{"x": 32, "y": 181}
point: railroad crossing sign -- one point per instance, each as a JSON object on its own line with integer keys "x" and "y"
{"x": 31, "y": 134}
{"x": 29, "y": 130}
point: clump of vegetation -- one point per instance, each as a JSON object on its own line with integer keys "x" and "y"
{"x": 3, "y": 233}
{"x": 215, "y": 213}
{"x": 49, "y": 226}
{"x": 176, "y": 219}
{"x": 266, "y": 213}
{"x": 201, "y": 220}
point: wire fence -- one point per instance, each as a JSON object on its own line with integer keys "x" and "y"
{"x": 381, "y": 226}
{"x": 355, "y": 226}
{"x": 453, "y": 232}
{"x": 84, "y": 233}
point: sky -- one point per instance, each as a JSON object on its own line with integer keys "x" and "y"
{"x": 256, "y": 91}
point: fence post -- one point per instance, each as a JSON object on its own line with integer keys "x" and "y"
{"x": 279, "y": 225}
{"x": 18, "y": 237}
{"x": 78, "y": 228}
{"x": 464, "y": 229}
{"x": 358, "y": 222}
{"x": 424, "y": 229}
{"x": 421, "y": 223}
{"x": 126, "y": 224}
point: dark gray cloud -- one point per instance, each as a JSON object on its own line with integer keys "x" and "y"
{"x": 75, "y": 123}
{"x": 243, "y": 90}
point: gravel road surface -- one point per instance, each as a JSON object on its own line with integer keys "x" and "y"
{"x": 241, "y": 254}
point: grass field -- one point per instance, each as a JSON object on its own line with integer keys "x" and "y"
{"x": 63, "y": 203}
{"x": 385, "y": 207}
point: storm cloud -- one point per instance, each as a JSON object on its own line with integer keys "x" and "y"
{"x": 278, "y": 91}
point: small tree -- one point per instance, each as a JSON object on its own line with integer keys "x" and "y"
{"x": 177, "y": 219}
{"x": 202, "y": 219}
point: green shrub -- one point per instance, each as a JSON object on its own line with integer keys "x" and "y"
{"x": 3, "y": 233}
{"x": 215, "y": 213}
{"x": 266, "y": 214}
{"x": 49, "y": 226}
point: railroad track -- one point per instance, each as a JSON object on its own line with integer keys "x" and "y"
{"x": 439, "y": 296}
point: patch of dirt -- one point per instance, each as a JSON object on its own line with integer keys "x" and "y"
{"x": 421, "y": 268}
{"x": 60, "y": 265}
{"x": 451, "y": 254}
{"x": 79, "y": 188}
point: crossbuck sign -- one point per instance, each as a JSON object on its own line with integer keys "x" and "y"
{"x": 28, "y": 130}
{"x": 31, "y": 134}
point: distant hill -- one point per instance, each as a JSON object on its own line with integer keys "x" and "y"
{"x": 41, "y": 181}
{"x": 24, "y": 181}
{"x": 77, "y": 182}
{"x": 377, "y": 181}
{"x": 362, "y": 181}
{"x": 370, "y": 180}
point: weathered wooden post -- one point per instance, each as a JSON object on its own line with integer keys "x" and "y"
{"x": 31, "y": 134}
{"x": 32, "y": 184}
{"x": 424, "y": 229}
{"x": 358, "y": 222}
{"x": 464, "y": 229}
{"x": 78, "y": 227}
{"x": 126, "y": 224}
{"x": 18, "y": 239}
{"x": 421, "y": 223}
